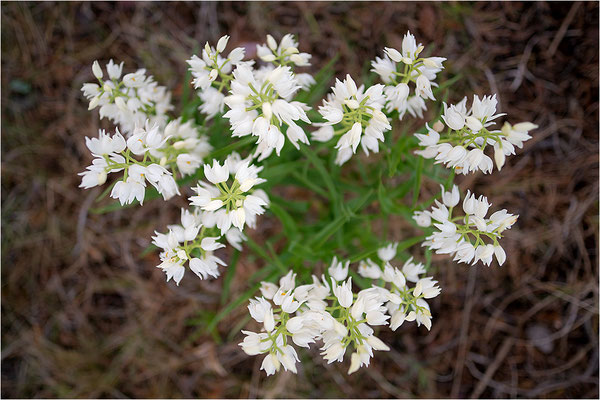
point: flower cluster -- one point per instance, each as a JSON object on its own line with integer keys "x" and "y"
{"x": 260, "y": 101}
{"x": 355, "y": 114}
{"x": 129, "y": 101}
{"x": 230, "y": 198}
{"x": 327, "y": 310}
{"x": 398, "y": 69}
{"x": 462, "y": 146}
{"x": 188, "y": 242}
{"x": 470, "y": 238}
{"x": 261, "y": 105}
{"x": 212, "y": 75}
{"x": 150, "y": 154}
{"x": 114, "y": 154}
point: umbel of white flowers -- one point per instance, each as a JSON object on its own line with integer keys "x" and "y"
{"x": 260, "y": 98}
{"x": 328, "y": 312}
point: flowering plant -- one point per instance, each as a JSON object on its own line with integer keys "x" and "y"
{"x": 228, "y": 154}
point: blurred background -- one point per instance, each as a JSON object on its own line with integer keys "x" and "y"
{"x": 85, "y": 314}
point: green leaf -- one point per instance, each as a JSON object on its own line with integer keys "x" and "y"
{"x": 229, "y": 276}
{"x": 418, "y": 173}
{"x": 320, "y": 167}
{"x": 318, "y": 240}
{"x": 289, "y": 225}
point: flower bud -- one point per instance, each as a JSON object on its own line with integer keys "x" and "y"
{"x": 207, "y": 49}
{"x": 271, "y": 43}
{"x": 97, "y": 70}
{"x": 94, "y": 102}
{"x": 352, "y": 104}
{"x": 107, "y": 88}
{"x": 267, "y": 111}
{"x": 499, "y": 156}
{"x": 438, "y": 126}
{"x": 101, "y": 177}
{"x": 393, "y": 54}
{"x": 222, "y": 43}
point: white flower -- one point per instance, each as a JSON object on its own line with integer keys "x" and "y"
{"x": 285, "y": 52}
{"x": 217, "y": 173}
{"x": 427, "y": 287}
{"x": 343, "y": 292}
{"x": 270, "y": 364}
{"x": 114, "y": 70}
{"x": 485, "y": 108}
{"x": 384, "y": 67}
{"x": 349, "y": 100}
{"x": 368, "y": 269}
{"x": 424, "y": 88}
{"x": 93, "y": 176}
{"x": 518, "y": 133}
{"x": 484, "y": 253}
{"x": 393, "y": 68}
{"x": 453, "y": 118}
{"x": 397, "y": 97}
{"x": 187, "y": 164}
{"x": 260, "y": 309}
{"x": 146, "y": 139}
{"x": 133, "y": 188}
{"x": 388, "y": 252}
{"x": 268, "y": 289}
{"x": 338, "y": 269}
{"x": 450, "y": 199}
{"x": 422, "y": 218}
{"x": 162, "y": 180}
{"x": 334, "y": 352}
{"x": 105, "y": 144}
{"x": 255, "y": 343}
{"x": 323, "y": 134}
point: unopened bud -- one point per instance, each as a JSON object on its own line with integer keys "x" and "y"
{"x": 379, "y": 115}
{"x": 268, "y": 58}
{"x": 499, "y": 157}
{"x": 179, "y": 145}
{"x": 352, "y": 104}
{"x": 222, "y": 43}
{"x": 267, "y": 111}
{"x": 207, "y": 49}
{"x": 107, "y": 88}
{"x": 101, "y": 178}
{"x": 438, "y": 126}
{"x": 393, "y": 54}
{"x": 213, "y": 75}
{"x": 163, "y": 161}
{"x": 271, "y": 43}
{"x": 94, "y": 102}
{"x": 296, "y": 59}
{"x": 429, "y": 63}
{"x": 97, "y": 70}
